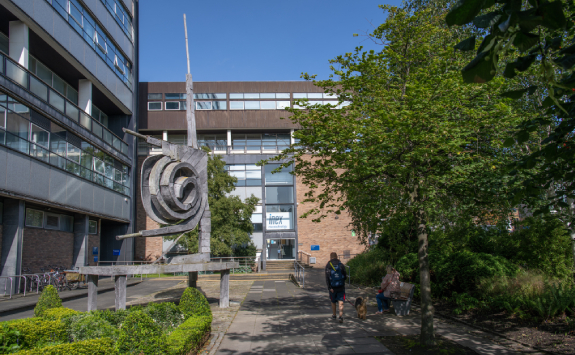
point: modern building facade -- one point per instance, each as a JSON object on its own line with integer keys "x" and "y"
{"x": 246, "y": 122}
{"x": 68, "y": 85}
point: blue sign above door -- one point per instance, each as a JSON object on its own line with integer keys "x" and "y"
{"x": 116, "y": 251}
{"x": 314, "y": 247}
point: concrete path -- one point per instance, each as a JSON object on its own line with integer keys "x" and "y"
{"x": 277, "y": 317}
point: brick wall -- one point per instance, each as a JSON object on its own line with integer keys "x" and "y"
{"x": 331, "y": 234}
{"x": 43, "y": 247}
{"x": 146, "y": 248}
{"x": 93, "y": 241}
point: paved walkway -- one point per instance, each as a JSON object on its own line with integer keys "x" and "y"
{"x": 277, "y": 317}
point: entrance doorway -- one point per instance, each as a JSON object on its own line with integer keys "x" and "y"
{"x": 278, "y": 249}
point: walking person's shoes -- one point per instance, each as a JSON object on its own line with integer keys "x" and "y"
{"x": 333, "y": 316}
{"x": 341, "y": 319}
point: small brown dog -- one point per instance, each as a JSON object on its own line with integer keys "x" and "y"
{"x": 361, "y": 307}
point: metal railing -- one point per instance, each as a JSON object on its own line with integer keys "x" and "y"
{"x": 29, "y": 81}
{"x": 299, "y": 273}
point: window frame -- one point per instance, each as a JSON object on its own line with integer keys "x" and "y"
{"x": 36, "y": 143}
{"x": 155, "y": 102}
{"x": 49, "y": 214}
{"x": 235, "y": 102}
{"x": 171, "y": 109}
{"x": 155, "y": 93}
{"x": 89, "y": 223}
{"x": 203, "y": 109}
{"x": 26, "y": 224}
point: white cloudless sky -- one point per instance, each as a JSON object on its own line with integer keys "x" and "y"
{"x": 251, "y": 40}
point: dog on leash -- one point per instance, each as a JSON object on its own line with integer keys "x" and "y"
{"x": 361, "y": 307}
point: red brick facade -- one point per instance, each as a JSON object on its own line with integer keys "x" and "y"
{"x": 331, "y": 234}
{"x": 94, "y": 241}
{"x": 146, "y": 248}
{"x": 43, "y": 247}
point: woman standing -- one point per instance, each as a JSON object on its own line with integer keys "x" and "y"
{"x": 389, "y": 284}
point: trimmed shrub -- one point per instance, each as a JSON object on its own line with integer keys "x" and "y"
{"x": 48, "y": 299}
{"x": 103, "y": 346}
{"x": 35, "y": 332}
{"x": 59, "y": 313}
{"x": 167, "y": 315}
{"x": 188, "y": 336}
{"x": 139, "y": 334}
{"x": 194, "y": 303}
{"x": 115, "y": 318}
{"x": 9, "y": 339}
{"x": 91, "y": 325}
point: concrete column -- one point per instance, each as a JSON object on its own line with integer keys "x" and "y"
{"x": 292, "y": 139}
{"x": 225, "y": 288}
{"x": 19, "y": 43}
{"x": 92, "y": 292}
{"x": 85, "y": 95}
{"x": 120, "y": 288}
{"x": 193, "y": 279}
{"x": 165, "y": 135}
{"x": 12, "y": 239}
{"x": 80, "y": 256}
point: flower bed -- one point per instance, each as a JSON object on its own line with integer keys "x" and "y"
{"x": 158, "y": 328}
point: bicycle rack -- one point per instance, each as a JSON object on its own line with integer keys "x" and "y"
{"x": 37, "y": 283}
{"x": 6, "y": 284}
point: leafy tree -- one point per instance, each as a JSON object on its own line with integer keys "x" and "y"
{"x": 231, "y": 218}
{"x": 414, "y": 141}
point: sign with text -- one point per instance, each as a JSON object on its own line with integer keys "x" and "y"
{"x": 96, "y": 259}
{"x": 315, "y": 247}
{"x": 116, "y": 251}
{"x": 94, "y": 250}
{"x": 278, "y": 220}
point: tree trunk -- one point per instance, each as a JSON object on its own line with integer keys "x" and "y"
{"x": 427, "y": 335}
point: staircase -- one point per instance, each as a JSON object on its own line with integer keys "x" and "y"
{"x": 285, "y": 265}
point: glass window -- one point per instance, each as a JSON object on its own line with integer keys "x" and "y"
{"x": 2, "y": 117}
{"x": 299, "y": 95}
{"x": 99, "y": 166}
{"x": 248, "y": 95}
{"x": 281, "y": 105}
{"x": 211, "y": 96}
{"x": 236, "y": 96}
{"x": 183, "y": 105}
{"x": 59, "y": 85}
{"x": 34, "y": 218}
{"x": 279, "y": 217}
{"x": 282, "y": 96}
{"x": 280, "y": 178}
{"x": 44, "y": 73}
{"x": 241, "y": 176}
{"x": 17, "y": 125}
{"x": 92, "y": 227}
{"x": 154, "y": 106}
{"x": 279, "y": 194}
{"x": 175, "y": 96}
{"x": 314, "y": 95}
{"x": 329, "y": 96}
{"x": 236, "y": 105}
{"x": 203, "y": 105}
{"x": 172, "y": 105}
{"x": 267, "y": 95}
{"x": 52, "y": 221}
{"x": 39, "y": 136}
{"x": 268, "y": 105}
{"x": 66, "y": 223}
{"x": 4, "y": 43}
{"x": 154, "y": 96}
{"x": 344, "y": 104}
{"x": 219, "y": 105}
{"x": 73, "y": 153}
{"x": 252, "y": 105}
{"x": 257, "y": 222}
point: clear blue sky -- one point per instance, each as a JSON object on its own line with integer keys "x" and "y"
{"x": 251, "y": 40}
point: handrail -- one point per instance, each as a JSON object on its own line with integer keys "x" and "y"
{"x": 299, "y": 273}
{"x": 11, "y": 284}
{"x": 78, "y": 112}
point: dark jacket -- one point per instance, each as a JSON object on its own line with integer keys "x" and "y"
{"x": 328, "y": 275}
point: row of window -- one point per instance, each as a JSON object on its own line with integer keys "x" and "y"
{"x": 235, "y": 105}
{"x": 81, "y": 20}
{"x": 29, "y": 132}
{"x": 233, "y": 95}
{"x": 53, "y": 80}
{"x": 47, "y": 220}
{"x": 122, "y": 17}
{"x": 181, "y": 105}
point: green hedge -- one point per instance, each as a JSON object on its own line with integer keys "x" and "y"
{"x": 194, "y": 303}
{"x": 37, "y": 331}
{"x": 48, "y": 299}
{"x": 103, "y": 346}
{"x": 140, "y": 334}
{"x": 59, "y": 313}
{"x": 188, "y": 335}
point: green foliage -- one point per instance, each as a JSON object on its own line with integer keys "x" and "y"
{"x": 91, "y": 325}
{"x": 167, "y": 315}
{"x": 231, "y": 217}
{"x": 115, "y": 318}
{"x": 398, "y": 238}
{"x": 9, "y": 339}
{"x": 369, "y": 267}
{"x": 463, "y": 302}
{"x": 140, "y": 334}
{"x": 59, "y": 313}
{"x": 101, "y": 346}
{"x": 48, "y": 299}
{"x": 187, "y": 337}
{"x": 33, "y": 332}
{"x": 194, "y": 303}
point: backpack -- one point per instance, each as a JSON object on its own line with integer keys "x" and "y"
{"x": 336, "y": 276}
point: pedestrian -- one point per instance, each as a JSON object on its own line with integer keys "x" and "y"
{"x": 335, "y": 277}
{"x": 389, "y": 284}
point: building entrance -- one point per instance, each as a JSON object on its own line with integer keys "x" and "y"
{"x": 278, "y": 249}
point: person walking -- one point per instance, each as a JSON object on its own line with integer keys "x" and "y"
{"x": 335, "y": 277}
{"x": 389, "y": 284}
